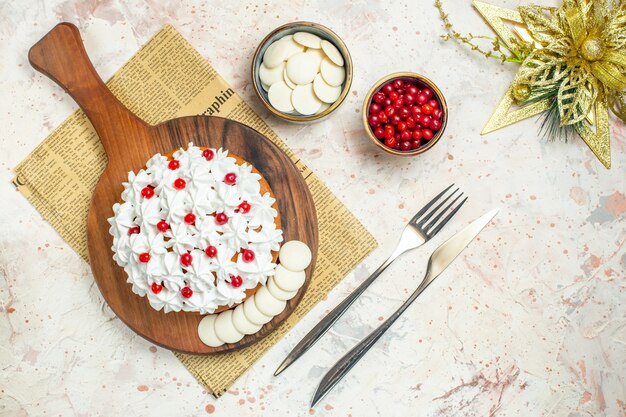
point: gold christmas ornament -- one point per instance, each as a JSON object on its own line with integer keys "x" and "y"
{"x": 572, "y": 66}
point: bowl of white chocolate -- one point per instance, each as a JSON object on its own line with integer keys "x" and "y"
{"x": 302, "y": 71}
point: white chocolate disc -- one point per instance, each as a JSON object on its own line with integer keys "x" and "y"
{"x": 324, "y": 107}
{"x": 332, "y": 52}
{"x": 253, "y": 314}
{"x": 225, "y": 329}
{"x": 242, "y": 324}
{"x": 302, "y": 68}
{"x": 206, "y": 331}
{"x": 308, "y": 39}
{"x": 333, "y": 74}
{"x": 295, "y": 255}
{"x": 267, "y": 303}
{"x": 279, "y": 96}
{"x": 293, "y": 47}
{"x": 275, "y": 54}
{"x": 265, "y": 87}
{"x": 319, "y": 55}
{"x": 269, "y": 76}
{"x": 323, "y": 91}
{"x": 278, "y": 292}
{"x": 304, "y": 99}
{"x": 290, "y": 83}
{"x": 288, "y": 280}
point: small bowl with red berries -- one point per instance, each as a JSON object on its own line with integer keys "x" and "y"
{"x": 405, "y": 114}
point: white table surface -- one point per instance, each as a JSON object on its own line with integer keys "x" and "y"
{"x": 530, "y": 320}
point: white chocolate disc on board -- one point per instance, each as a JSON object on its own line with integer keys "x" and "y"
{"x": 253, "y": 314}
{"x": 206, "y": 331}
{"x": 270, "y": 76}
{"x": 302, "y": 68}
{"x": 289, "y": 83}
{"x": 279, "y": 96}
{"x": 332, "y": 52}
{"x": 333, "y": 74}
{"x": 319, "y": 55}
{"x": 308, "y": 39}
{"x": 295, "y": 256}
{"x": 325, "y": 92}
{"x": 293, "y": 47}
{"x": 267, "y": 303}
{"x": 225, "y": 329}
{"x": 324, "y": 107}
{"x": 288, "y": 280}
{"x": 304, "y": 99}
{"x": 242, "y": 324}
{"x": 278, "y": 292}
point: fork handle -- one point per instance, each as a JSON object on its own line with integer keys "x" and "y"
{"x": 326, "y": 323}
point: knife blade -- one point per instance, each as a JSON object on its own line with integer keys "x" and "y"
{"x": 440, "y": 259}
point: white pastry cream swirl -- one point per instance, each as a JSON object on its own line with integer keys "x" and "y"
{"x": 175, "y": 214}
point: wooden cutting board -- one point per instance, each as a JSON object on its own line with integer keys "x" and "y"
{"x": 129, "y": 142}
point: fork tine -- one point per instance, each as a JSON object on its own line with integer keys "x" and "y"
{"x": 432, "y": 223}
{"x": 429, "y": 204}
{"x": 437, "y": 228}
{"x": 426, "y": 218}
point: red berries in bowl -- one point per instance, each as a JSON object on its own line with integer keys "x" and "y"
{"x": 405, "y": 114}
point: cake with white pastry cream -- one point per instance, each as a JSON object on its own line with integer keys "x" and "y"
{"x": 197, "y": 230}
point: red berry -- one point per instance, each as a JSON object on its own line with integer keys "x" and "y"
{"x": 405, "y": 146}
{"x": 391, "y": 142}
{"x": 162, "y": 226}
{"x": 248, "y": 255}
{"x": 406, "y": 135}
{"x": 133, "y": 230}
{"x": 144, "y": 257}
{"x": 393, "y": 95}
{"x": 395, "y": 119}
{"x": 221, "y": 218}
{"x": 412, "y": 90}
{"x": 374, "y": 108}
{"x": 427, "y": 109}
{"x": 421, "y": 99}
{"x": 386, "y": 103}
{"x": 379, "y": 133}
{"x": 388, "y": 88}
{"x": 435, "y": 124}
{"x": 382, "y": 117}
{"x": 230, "y": 178}
{"x": 379, "y": 97}
{"x": 427, "y": 92}
{"x": 186, "y": 259}
{"x": 398, "y": 103}
{"x": 244, "y": 207}
{"x": 179, "y": 183}
{"x": 389, "y": 111}
{"x": 427, "y": 133}
{"x": 211, "y": 251}
{"x": 437, "y": 114}
{"x": 236, "y": 281}
{"x": 156, "y": 288}
{"x": 401, "y": 126}
{"x": 190, "y": 218}
{"x": 425, "y": 120}
{"x": 415, "y": 144}
{"x": 410, "y": 122}
{"x": 186, "y": 292}
{"x": 433, "y": 103}
{"x": 398, "y": 84}
{"x": 409, "y": 98}
{"x": 416, "y": 110}
{"x": 404, "y": 112}
{"x": 174, "y": 164}
{"x": 147, "y": 192}
{"x": 417, "y": 134}
{"x": 373, "y": 120}
{"x": 389, "y": 131}
{"x": 208, "y": 154}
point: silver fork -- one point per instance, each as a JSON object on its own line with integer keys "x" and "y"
{"x": 420, "y": 229}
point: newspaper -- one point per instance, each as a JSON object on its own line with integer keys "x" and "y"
{"x": 168, "y": 78}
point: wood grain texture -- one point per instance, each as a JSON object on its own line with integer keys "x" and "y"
{"x": 129, "y": 142}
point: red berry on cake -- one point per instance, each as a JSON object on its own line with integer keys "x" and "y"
{"x": 208, "y": 154}
{"x": 244, "y": 207}
{"x": 173, "y": 165}
{"x": 186, "y": 292}
{"x": 211, "y": 251}
{"x": 230, "y": 178}
{"x": 147, "y": 192}
{"x": 156, "y": 288}
{"x": 248, "y": 255}
{"x": 133, "y": 230}
{"x": 190, "y": 218}
{"x": 221, "y": 219}
{"x": 179, "y": 183}
{"x": 162, "y": 226}
{"x": 236, "y": 281}
{"x": 186, "y": 259}
{"x": 144, "y": 257}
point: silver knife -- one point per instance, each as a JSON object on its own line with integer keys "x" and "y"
{"x": 439, "y": 260}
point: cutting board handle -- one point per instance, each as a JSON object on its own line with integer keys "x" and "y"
{"x": 60, "y": 55}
